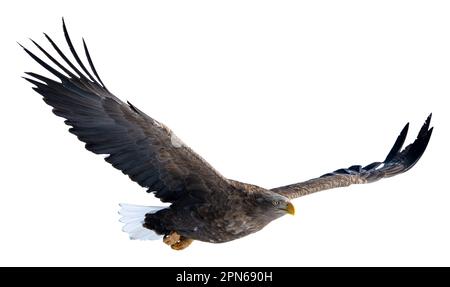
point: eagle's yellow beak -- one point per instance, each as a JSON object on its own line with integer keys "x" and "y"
{"x": 290, "y": 209}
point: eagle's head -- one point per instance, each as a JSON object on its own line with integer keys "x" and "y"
{"x": 274, "y": 205}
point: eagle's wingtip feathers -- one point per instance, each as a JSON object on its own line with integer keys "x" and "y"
{"x": 396, "y": 148}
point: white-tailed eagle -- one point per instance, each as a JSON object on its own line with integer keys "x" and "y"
{"x": 205, "y": 205}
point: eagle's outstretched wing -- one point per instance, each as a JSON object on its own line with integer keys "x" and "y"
{"x": 396, "y": 162}
{"x": 144, "y": 149}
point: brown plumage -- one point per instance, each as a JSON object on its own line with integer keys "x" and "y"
{"x": 205, "y": 205}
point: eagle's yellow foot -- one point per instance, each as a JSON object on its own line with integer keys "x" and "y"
{"x": 182, "y": 243}
{"x": 172, "y": 238}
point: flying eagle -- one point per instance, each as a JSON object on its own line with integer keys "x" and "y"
{"x": 205, "y": 205}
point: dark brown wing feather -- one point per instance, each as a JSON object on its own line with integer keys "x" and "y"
{"x": 147, "y": 151}
{"x": 396, "y": 162}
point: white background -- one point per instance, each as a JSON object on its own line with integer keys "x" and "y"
{"x": 270, "y": 93}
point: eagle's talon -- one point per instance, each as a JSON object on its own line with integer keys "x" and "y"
{"x": 182, "y": 243}
{"x": 172, "y": 238}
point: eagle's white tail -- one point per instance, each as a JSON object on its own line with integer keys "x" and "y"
{"x": 133, "y": 217}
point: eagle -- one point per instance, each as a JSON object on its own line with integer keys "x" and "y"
{"x": 204, "y": 205}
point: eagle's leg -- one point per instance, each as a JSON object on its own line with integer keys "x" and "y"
{"x": 182, "y": 244}
{"x": 171, "y": 238}
{"x": 176, "y": 241}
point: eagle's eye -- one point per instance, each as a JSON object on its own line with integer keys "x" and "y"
{"x": 275, "y": 202}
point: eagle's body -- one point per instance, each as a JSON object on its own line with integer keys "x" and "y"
{"x": 205, "y": 205}
{"x": 230, "y": 212}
